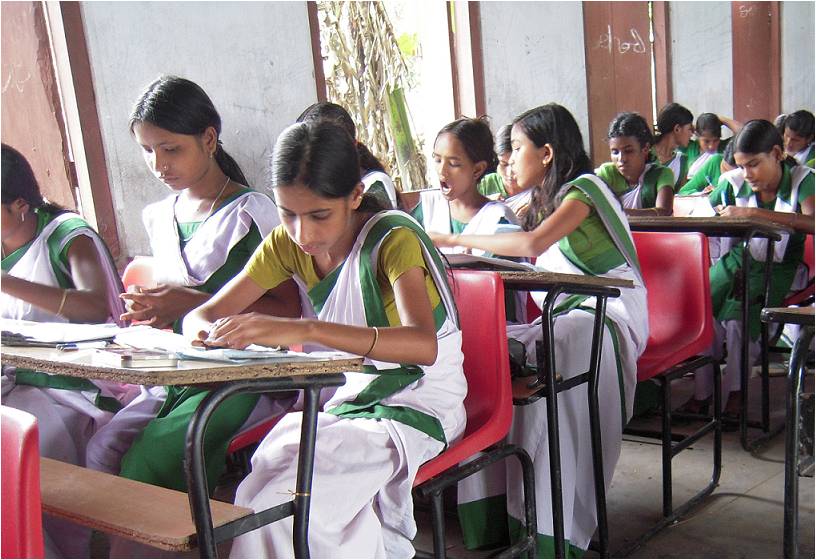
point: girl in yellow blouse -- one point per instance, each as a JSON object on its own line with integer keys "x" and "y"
{"x": 372, "y": 284}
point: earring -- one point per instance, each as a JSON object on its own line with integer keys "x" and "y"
{"x": 22, "y": 217}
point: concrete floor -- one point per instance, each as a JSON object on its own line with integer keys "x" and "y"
{"x": 741, "y": 519}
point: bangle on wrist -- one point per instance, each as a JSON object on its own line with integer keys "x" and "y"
{"x": 62, "y": 302}
{"x": 373, "y": 342}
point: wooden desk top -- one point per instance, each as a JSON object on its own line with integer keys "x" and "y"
{"x": 544, "y": 279}
{"x": 83, "y": 364}
{"x": 717, "y": 226}
{"x": 793, "y": 315}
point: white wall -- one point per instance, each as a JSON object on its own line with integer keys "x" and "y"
{"x": 254, "y": 60}
{"x": 534, "y": 54}
{"x": 701, "y": 56}
{"x": 797, "y": 56}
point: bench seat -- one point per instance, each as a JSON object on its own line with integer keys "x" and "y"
{"x": 141, "y": 512}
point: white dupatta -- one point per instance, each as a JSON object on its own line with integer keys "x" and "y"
{"x": 208, "y": 249}
{"x": 36, "y": 266}
{"x": 436, "y": 217}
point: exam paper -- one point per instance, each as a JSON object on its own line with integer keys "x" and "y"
{"x": 63, "y": 332}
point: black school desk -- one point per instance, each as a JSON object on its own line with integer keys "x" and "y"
{"x": 746, "y": 229}
{"x": 555, "y": 284}
{"x": 311, "y": 376}
{"x": 796, "y": 378}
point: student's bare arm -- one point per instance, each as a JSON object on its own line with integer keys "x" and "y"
{"x": 561, "y": 223}
{"x": 86, "y": 303}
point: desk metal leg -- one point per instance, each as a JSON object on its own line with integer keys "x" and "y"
{"x": 546, "y": 364}
{"x": 745, "y": 366}
{"x": 303, "y": 497}
{"x": 595, "y": 425}
{"x": 194, "y": 464}
{"x": 194, "y": 467}
{"x": 796, "y": 374}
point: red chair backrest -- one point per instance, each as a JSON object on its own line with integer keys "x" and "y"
{"x": 809, "y": 256}
{"x": 21, "y": 508}
{"x": 479, "y": 296}
{"x": 675, "y": 271}
{"x": 139, "y": 272}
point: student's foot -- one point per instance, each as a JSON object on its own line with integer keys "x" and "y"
{"x": 732, "y": 411}
{"x": 521, "y": 387}
{"x": 694, "y": 406}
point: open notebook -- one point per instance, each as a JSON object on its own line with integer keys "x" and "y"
{"x": 462, "y": 260}
{"x": 696, "y": 205}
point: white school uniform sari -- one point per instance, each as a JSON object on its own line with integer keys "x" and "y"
{"x": 482, "y": 497}
{"x": 68, "y": 410}
{"x": 376, "y": 430}
{"x": 436, "y": 217}
{"x": 202, "y": 255}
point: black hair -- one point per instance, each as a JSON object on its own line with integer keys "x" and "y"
{"x": 779, "y": 123}
{"x": 800, "y": 122}
{"x": 670, "y": 116}
{"x": 182, "y": 107}
{"x": 759, "y": 136}
{"x": 331, "y": 111}
{"x": 503, "y": 144}
{"x": 368, "y": 161}
{"x": 476, "y": 138}
{"x": 322, "y": 157}
{"x": 710, "y": 123}
{"x": 19, "y": 182}
{"x": 630, "y": 124}
{"x": 728, "y": 154}
{"x": 326, "y": 110}
{"x": 553, "y": 124}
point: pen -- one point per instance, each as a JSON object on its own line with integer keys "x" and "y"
{"x": 68, "y": 346}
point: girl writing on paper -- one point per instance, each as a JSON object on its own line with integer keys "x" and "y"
{"x": 371, "y": 284}
{"x": 767, "y": 184}
{"x": 576, "y": 225}
{"x": 201, "y": 235}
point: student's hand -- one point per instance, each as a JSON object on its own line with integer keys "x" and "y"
{"x": 708, "y": 189}
{"x": 736, "y": 211}
{"x": 239, "y": 331}
{"x": 442, "y": 239}
{"x": 160, "y": 306}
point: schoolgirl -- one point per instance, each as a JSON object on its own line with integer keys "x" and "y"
{"x": 772, "y": 186}
{"x": 798, "y": 137}
{"x": 674, "y": 130}
{"x": 576, "y": 225}
{"x": 372, "y": 284}
{"x": 200, "y": 236}
{"x": 56, "y": 268}
{"x": 643, "y": 186}
{"x": 502, "y": 184}
{"x": 375, "y": 179}
{"x": 707, "y": 177}
{"x": 463, "y": 153}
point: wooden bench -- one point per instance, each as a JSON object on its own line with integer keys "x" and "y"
{"x": 126, "y": 508}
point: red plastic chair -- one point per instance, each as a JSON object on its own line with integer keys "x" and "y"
{"x": 681, "y": 326}
{"x": 21, "y": 508}
{"x": 138, "y": 272}
{"x": 479, "y": 298}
